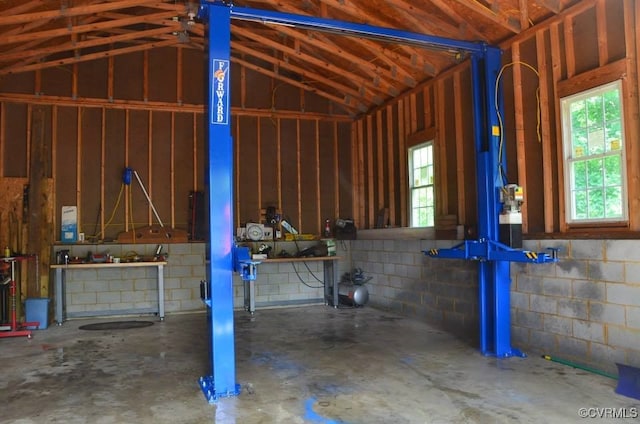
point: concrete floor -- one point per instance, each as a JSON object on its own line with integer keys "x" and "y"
{"x": 298, "y": 365}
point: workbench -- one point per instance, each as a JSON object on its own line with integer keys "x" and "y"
{"x": 330, "y": 279}
{"x": 61, "y": 270}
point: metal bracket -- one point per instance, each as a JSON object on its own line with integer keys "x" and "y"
{"x": 487, "y": 250}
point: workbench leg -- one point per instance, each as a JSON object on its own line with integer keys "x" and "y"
{"x": 161, "y": 292}
{"x": 59, "y": 290}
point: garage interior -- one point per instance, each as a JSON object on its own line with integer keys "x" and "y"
{"x": 105, "y": 113}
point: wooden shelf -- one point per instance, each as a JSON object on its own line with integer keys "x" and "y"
{"x": 306, "y": 259}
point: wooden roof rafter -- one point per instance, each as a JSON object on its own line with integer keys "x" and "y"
{"x": 89, "y": 57}
{"x": 497, "y": 17}
{"x": 351, "y": 109}
{"x": 355, "y": 13}
{"x": 357, "y": 63}
{"x": 65, "y": 12}
{"x": 361, "y": 83}
{"x": 358, "y": 100}
{"x": 133, "y": 20}
{"x": 462, "y": 21}
{"x": 100, "y": 41}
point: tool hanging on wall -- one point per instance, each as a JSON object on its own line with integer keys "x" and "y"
{"x": 152, "y": 233}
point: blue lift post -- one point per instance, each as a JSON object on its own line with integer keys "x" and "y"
{"x": 494, "y": 257}
{"x": 219, "y": 298}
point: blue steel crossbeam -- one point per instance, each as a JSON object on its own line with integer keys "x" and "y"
{"x": 493, "y": 276}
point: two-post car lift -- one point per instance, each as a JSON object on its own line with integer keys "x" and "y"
{"x": 493, "y": 257}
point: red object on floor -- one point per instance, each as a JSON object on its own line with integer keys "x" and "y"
{"x": 16, "y": 329}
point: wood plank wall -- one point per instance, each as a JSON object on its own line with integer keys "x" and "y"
{"x": 545, "y": 63}
{"x": 145, "y": 111}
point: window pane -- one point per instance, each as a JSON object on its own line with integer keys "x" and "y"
{"x": 612, "y": 105}
{"x": 595, "y": 199}
{"x": 578, "y": 113}
{"x": 580, "y": 175}
{"x": 613, "y": 202}
{"x": 612, "y": 171}
{"x": 596, "y": 140}
{"x": 595, "y": 115}
{"x": 595, "y": 176}
{"x": 580, "y": 204}
{"x": 579, "y": 143}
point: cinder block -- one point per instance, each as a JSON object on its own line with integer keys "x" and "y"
{"x": 108, "y": 297}
{"x": 191, "y": 305}
{"x": 591, "y": 290}
{"x": 109, "y": 274}
{"x": 573, "y": 308}
{"x": 606, "y": 313}
{"x": 633, "y": 316}
{"x": 520, "y": 300}
{"x": 82, "y": 275}
{"x": 606, "y": 271}
{"x": 622, "y": 250}
{"x": 558, "y": 325}
{"x": 529, "y": 284}
{"x": 587, "y": 250}
{"x": 571, "y": 268}
{"x": 606, "y": 356}
{"x": 556, "y": 287}
{"x": 172, "y": 305}
{"x": 520, "y": 335}
{"x": 122, "y": 285}
{"x": 543, "y": 304}
{"x": 623, "y": 337}
{"x": 176, "y": 249}
{"x": 178, "y": 271}
{"x": 135, "y": 273}
{"x": 543, "y": 341}
{"x": 622, "y": 294}
{"x": 179, "y": 294}
{"x": 444, "y": 304}
{"x": 84, "y": 298}
{"x": 145, "y": 284}
{"x": 632, "y": 273}
{"x": 133, "y": 296}
{"x": 529, "y": 319}
{"x": 588, "y": 331}
{"x": 74, "y": 287}
{"x": 573, "y": 347}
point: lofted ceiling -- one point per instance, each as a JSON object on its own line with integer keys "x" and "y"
{"x": 356, "y": 74}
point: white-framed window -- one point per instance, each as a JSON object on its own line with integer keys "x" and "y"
{"x": 421, "y": 185}
{"x": 594, "y": 155}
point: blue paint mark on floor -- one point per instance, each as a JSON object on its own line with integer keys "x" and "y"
{"x": 313, "y": 416}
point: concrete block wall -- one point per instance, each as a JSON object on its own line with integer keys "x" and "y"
{"x": 585, "y": 308}
{"x": 290, "y": 283}
{"x": 96, "y": 292}
{"x": 404, "y": 280}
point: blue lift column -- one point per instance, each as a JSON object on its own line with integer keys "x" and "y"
{"x": 219, "y": 291}
{"x": 494, "y": 278}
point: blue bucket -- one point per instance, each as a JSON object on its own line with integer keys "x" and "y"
{"x": 37, "y": 310}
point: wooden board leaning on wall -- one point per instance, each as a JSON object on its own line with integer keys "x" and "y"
{"x": 14, "y": 229}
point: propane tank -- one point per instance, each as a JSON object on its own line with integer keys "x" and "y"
{"x": 353, "y": 294}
